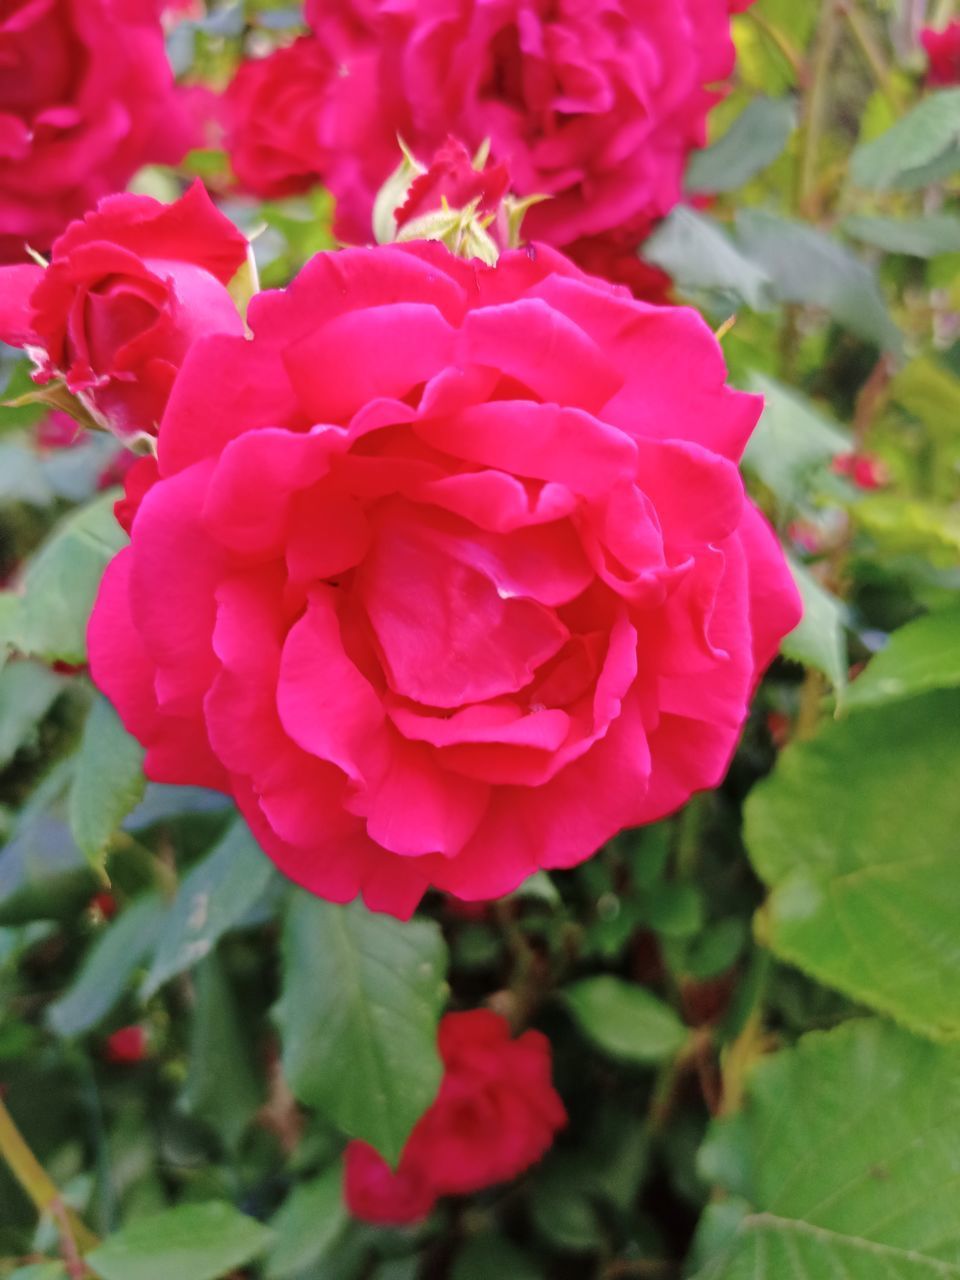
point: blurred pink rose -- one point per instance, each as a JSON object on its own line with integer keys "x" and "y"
{"x": 86, "y": 98}
{"x": 943, "y": 55}
{"x": 497, "y": 1113}
{"x": 597, "y": 105}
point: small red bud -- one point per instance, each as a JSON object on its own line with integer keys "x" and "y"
{"x": 126, "y": 1046}
{"x": 104, "y": 904}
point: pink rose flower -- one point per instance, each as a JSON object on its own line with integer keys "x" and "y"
{"x": 458, "y": 574}
{"x": 596, "y": 105}
{"x": 496, "y": 1114}
{"x": 943, "y": 54}
{"x": 86, "y": 98}
{"x": 128, "y": 289}
{"x": 274, "y": 125}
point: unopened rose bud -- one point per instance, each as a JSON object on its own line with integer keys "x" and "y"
{"x": 863, "y": 469}
{"x": 461, "y": 201}
{"x": 127, "y": 1046}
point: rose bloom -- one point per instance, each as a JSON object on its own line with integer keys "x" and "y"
{"x": 943, "y": 54}
{"x": 86, "y": 98}
{"x": 596, "y": 105}
{"x": 128, "y": 289}
{"x": 274, "y": 124}
{"x": 496, "y": 1114}
{"x": 448, "y": 573}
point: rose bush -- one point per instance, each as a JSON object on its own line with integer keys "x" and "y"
{"x": 128, "y": 289}
{"x": 496, "y": 1114}
{"x": 597, "y": 106}
{"x": 86, "y": 98}
{"x": 459, "y": 574}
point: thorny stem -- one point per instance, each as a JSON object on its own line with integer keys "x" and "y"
{"x": 525, "y": 982}
{"x": 871, "y": 399}
{"x": 811, "y": 695}
{"x": 622, "y": 1268}
{"x": 817, "y": 103}
{"x": 671, "y": 1074}
{"x": 43, "y": 1192}
{"x": 872, "y": 52}
{"x": 786, "y": 49}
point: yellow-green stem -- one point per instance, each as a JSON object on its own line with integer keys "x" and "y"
{"x": 38, "y": 1184}
{"x": 817, "y": 103}
{"x": 873, "y": 54}
{"x": 783, "y": 46}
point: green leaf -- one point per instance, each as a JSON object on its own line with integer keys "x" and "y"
{"x": 563, "y": 1212}
{"x": 308, "y": 1226}
{"x": 922, "y": 655}
{"x": 106, "y": 970}
{"x": 907, "y": 527}
{"x": 484, "y": 1257}
{"x": 362, "y": 996}
{"x": 754, "y": 140}
{"x": 539, "y": 887}
{"x": 851, "y": 1139}
{"x": 40, "y": 1271}
{"x": 43, "y": 875}
{"x": 245, "y": 285}
{"x": 699, "y": 255}
{"x": 61, "y": 583}
{"x": 927, "y": 135}
{"x": 191, "y": 1242}
{"x": 931, "y": 392}
{"x": 108, "y": 782}
{"x": 922, "y": 237}
{"x": 819, "y": 639}
{"x": 854, "y": 833}
{"x": 792, "y": 441}
{"x": 9, "y": 607}
{"x": 771, "y": 1246}
{"x": 624, "y": 1020}
{"x": 21, "y": 476}
{"x": 212, "y": 899}
{"x": 673, "y": 910}
{"x": 222, "y": 1087}
{"x": 27, "y": 692}
{"x": 809, "y": 267}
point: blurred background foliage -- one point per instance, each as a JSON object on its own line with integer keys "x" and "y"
{"x": 755, "y": 1006}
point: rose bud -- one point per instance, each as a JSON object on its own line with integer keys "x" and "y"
{"x": 863, "y": 469}
{"x": 127, "y": 291}
{"x": 104, "y": 905}
{"x": 461, "y": 202}
{"x": 127, "y": 1046}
